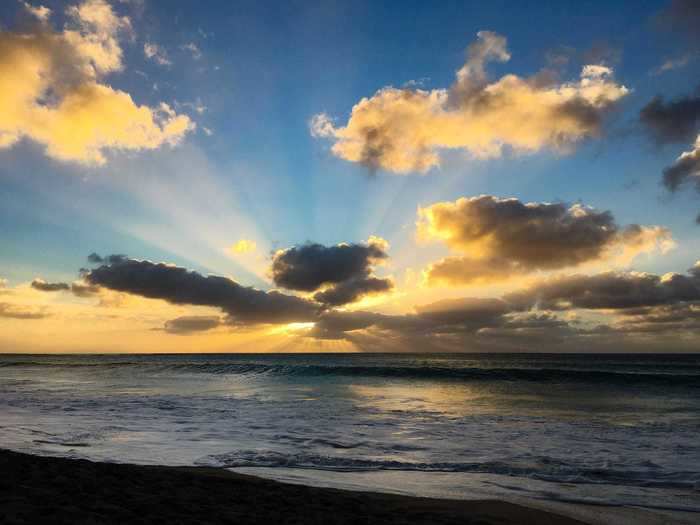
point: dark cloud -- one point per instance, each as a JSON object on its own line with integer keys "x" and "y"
{"x": 180, "y": 286}
{"x": 677, "y": 121}
{"x": 450, "y": 316}
{"x": 77, "y": 288}
{"x": 352, "y": 290}
{"x": 528, "y": 329}
{"x": 581, "y": 111}
{"x": 95, "y": 258}
{"x": 610, "y": 291}
{"x": 40, "y": 284}
{"x": 84, "y": 290}
{"x": 685, "y": 169}
{"x": 468, "y": 324}
{"x": 682, "y": 17}
{"x": 19, "y": 311}
{"x": 342, "y": 273}
{"x": 508, "y": 324}
{"x": 680, "y": 317}
{"x": 190, "y": 324}
{"x": 504, "y": 237}
{"x": 466, "y": 311}
{"x": 310, "y": 266}
{"x": 674, "y": 120}
{"x": 602, "y": 52}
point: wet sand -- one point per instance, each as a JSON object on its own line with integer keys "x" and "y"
{"x": 36, "y": 489}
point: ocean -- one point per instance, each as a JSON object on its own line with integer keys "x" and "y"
{"x": 602, "y": 429}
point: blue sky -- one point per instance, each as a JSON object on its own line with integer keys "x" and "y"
{"x": 252, "y": 75}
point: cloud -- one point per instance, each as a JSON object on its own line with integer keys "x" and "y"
{"x": 19, "y": 311}
{"x": 685, "y": 169}
{"x": 456, "y": 270}
{"x": 40, "y": 12}
{"x": 467, "y": 324}
{"x": 242, "y": 246}
{"x": 352, "y": 290}
{"x": 156, "y": 53}
{"x": 95, "y": 258}
{"x": 193, "y": 49}
{"x": 646, "y": 311}
{"x": 77, "y": 288}
{"x": 84, "y": 290}
{"x": 673, "y": 318}
{"x": 340, "y": 273}
{"x": 682, "y": 17}
{"x": 672, "y": 121}
{"x": 466, "y": 311}
{"x": 449, "y": 316}
{"x": 404, "y": 130}
{"x": 40, "y": 284}
{"x": 672, "y": 64}
{"x": 177, "y": 285}
{"x": 500, "y": 238}
{"x": 309, "y": 266}
{"x": 191, "y": 324}
{"x": 53, "y": 94}
{"x": 610, "y": 291}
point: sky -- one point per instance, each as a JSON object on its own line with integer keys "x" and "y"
{"x": 349, "y": 176}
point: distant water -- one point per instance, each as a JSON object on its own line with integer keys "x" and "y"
{"x": 606, "y": 429}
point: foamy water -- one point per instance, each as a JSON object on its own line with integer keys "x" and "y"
{"x": 603, "y": 429}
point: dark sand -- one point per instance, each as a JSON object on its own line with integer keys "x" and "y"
{"x": 37, "y": 489}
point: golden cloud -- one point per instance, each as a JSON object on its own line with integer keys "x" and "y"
{"x": 403, "y": 130}
{"x": 242, "y": 246}
{"x": 498, "y": 239}
{"x": 52, "y": 92}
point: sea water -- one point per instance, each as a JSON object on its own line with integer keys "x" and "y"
{"x": 604, "y": 429}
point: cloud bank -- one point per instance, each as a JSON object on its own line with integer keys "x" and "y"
{"x": 606, "y": 311}
{"x": 645, "y": 311}
{"x": 611, "y": 291}
{"x": 404, "y": 130}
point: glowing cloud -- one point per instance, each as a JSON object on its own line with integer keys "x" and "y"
{"x": 502, "y": 238}
{"x": 42, "y": 13}
{"x": 685, "y": 169}
{"x": 52, "y": 92}
{"x": 403, "y": 130}
{"x": 242, "y": 246}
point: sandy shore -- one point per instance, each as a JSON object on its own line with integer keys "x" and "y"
{"x": 37, "y": 489}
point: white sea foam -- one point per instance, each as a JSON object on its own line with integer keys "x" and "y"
{"x": 610, "y": 430}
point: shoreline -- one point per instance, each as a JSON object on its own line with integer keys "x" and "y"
{"x": 40, "y": 489}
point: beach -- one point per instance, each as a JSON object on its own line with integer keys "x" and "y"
{"x": 36, "y": 489}
{"x": 606, "y": 440}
